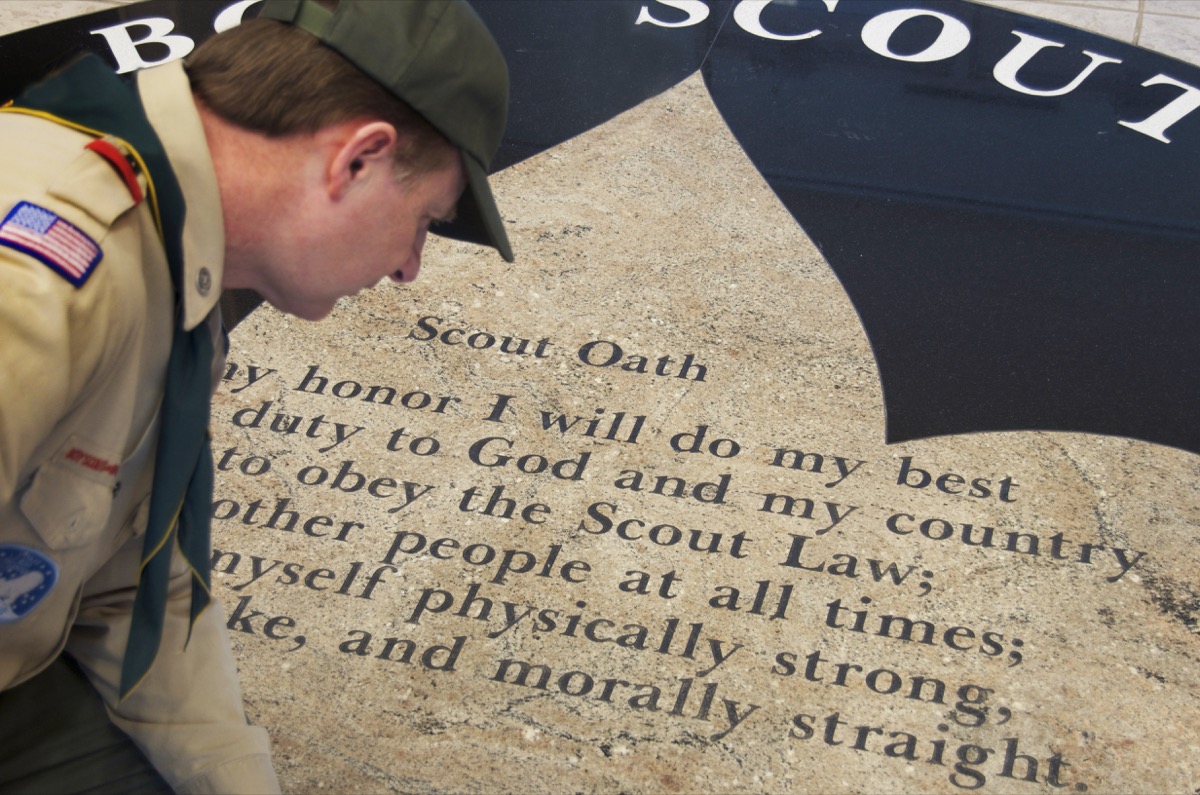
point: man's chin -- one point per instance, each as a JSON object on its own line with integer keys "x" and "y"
{"x": 314, "y": 316}
{"x": 305, "y": 311}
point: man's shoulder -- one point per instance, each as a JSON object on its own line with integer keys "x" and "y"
{"x": 35, "y": 148}
{"x": 58, "y": 198}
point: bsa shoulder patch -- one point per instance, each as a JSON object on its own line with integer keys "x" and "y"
{"x": 26, "y": 576}
{"x": 55, "y": 241}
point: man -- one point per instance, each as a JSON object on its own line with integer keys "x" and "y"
{"x": 303, "y": 155}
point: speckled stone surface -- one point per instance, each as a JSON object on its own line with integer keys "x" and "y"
{"x": 21, "y": 14}
{"x": 1029, "y": 626}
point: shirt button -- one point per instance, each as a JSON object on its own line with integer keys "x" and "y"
{"x": 204, "y": 281}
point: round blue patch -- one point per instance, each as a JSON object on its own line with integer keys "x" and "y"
{"x": 26, "y": 576}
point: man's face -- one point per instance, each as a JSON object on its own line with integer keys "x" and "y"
{"x": 377, "y": 230}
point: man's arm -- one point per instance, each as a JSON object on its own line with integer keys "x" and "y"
{"x": 82, "y": 369}
{"x": 187, "y": 714}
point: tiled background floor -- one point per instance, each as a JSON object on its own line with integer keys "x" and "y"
{"x": 1171, "y": 27}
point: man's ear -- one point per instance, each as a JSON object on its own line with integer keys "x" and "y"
{"x": 367, "y": 149}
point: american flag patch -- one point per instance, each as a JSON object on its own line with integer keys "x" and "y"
{"x": 58, "y": 243}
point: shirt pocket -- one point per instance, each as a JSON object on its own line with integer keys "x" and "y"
{"x": 70, "y": 497}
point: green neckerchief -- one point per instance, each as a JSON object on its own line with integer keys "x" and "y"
{"x": 87, "y": 93}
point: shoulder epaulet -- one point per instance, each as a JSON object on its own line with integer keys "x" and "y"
{"x": 118, "y": 155}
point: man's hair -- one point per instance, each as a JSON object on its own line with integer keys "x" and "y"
{"x": 278, "y": 80}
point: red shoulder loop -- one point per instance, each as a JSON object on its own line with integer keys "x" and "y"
{"x": 113, "y": 154}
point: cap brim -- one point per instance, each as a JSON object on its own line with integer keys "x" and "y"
{"x": 477, "y": 219}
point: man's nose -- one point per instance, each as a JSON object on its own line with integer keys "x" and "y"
{"x": 412, "y": 266}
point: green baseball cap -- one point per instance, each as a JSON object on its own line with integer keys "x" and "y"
{"x": 437, "y": 56}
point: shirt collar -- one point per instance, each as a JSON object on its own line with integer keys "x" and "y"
{"x": 167, "y": 99}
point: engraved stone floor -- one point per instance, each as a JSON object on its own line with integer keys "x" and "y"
{"x": 620, "y": 517}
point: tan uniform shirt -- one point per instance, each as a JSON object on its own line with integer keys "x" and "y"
{"x": 81, "y": 378}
